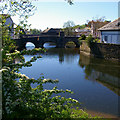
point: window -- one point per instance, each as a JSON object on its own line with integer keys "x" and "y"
{"x": 105, "y": 38}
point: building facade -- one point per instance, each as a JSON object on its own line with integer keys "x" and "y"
{"x": 110, "y": 33}
{"x": 95, "y": 25}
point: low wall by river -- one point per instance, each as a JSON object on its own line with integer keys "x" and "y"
{"x": 101, "y": 50}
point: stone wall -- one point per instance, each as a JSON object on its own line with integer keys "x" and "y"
{"x": 102, "y": 50}
{"x": 85, "y": 48}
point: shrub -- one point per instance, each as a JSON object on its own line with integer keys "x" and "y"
{"x": 96, "y": 40}
{"x": 80, "y": 42}
{"x": 89, "y": 40}
{"x": 20, "y": 100}
{"x": 82, "y": 37}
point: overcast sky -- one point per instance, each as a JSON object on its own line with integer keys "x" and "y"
{"x": 54, "y": 14}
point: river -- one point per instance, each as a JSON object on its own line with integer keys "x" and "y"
{"x": 95, "y": 82}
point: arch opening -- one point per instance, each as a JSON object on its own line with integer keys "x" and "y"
{"x": 70, "y": 44}
{"x": 49, "y": 45}
{"x": 29, "y": 46}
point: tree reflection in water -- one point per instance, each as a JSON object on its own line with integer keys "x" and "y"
{"x": 103, "y": 71}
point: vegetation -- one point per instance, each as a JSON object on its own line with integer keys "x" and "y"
{"x": 79, "y": 113}
{"x": 89, "y": 40}
{"x": 35, "y": 31}
{"x": 96, "y": 40}
{"x": 82, "y": 37}
{"x": 20, "y": 100}
{"x": 68, "y": 28}
{"x": 97, "y": 23}
{"x": 80, "y": 26}
{"x": 70, "y": 1}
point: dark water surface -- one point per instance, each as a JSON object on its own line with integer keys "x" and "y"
{"x": 95, "y": 82}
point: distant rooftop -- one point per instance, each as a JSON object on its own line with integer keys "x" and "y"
{"x": 115, "y": 25}
{"x": 46, "y": 30}
{"x": 51, "y": 30}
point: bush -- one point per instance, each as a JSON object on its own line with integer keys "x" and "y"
{"x": 80, "y": 42}
{"x": 96, "y": 40}
{"x": 19, "y": 99}
{"x": 89, "y": 40}
{"x": 82, "y": 37}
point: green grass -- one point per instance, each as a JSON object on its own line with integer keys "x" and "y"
{"x": 79, "y": 113}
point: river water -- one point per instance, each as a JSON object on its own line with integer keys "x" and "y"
{"x": 95, "y": 82}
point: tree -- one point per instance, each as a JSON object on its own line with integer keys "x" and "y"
{"x": 68, "y": 28}
{"x": 35, "y": 31}
{"x": 20, "y": 100}
{"x": 79, "y": 26}
{"x": 82, "y": 37}
{"x": 89, "y": 40}
{"x": 98, "y": 22}
{"x": 70, "y": 1}
{"x": 68, "y": 24}
{"x": 21, "y": 8}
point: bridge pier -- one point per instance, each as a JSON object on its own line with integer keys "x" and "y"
{"x": 60, "y": 42}
{"x": 60, "y": 46}
{"x": 38, "y": 46}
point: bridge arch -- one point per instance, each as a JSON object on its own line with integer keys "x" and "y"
{"x": 40, "y": 41}
{"x": 72, "y": 43}
{"x": 33, "y": 41}
{"x": 29, "y": 45}
{"x": 50, "y": 42}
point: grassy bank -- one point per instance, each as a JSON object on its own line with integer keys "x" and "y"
{"x": 79, "y": 113}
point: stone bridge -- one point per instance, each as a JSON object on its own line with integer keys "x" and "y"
{"x": 40, "y": 41}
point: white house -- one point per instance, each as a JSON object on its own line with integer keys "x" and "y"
{"x": 110, "y": 33}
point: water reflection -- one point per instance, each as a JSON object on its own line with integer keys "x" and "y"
{"x": 64, "y": 54}
{"x": 49, "y": 45}
{"x": 96, "y": 70}
{"x": 95, "y": 82}
{"x": 103, "y": 71}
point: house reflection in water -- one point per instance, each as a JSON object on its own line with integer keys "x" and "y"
{"x": 102, "y": 71}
